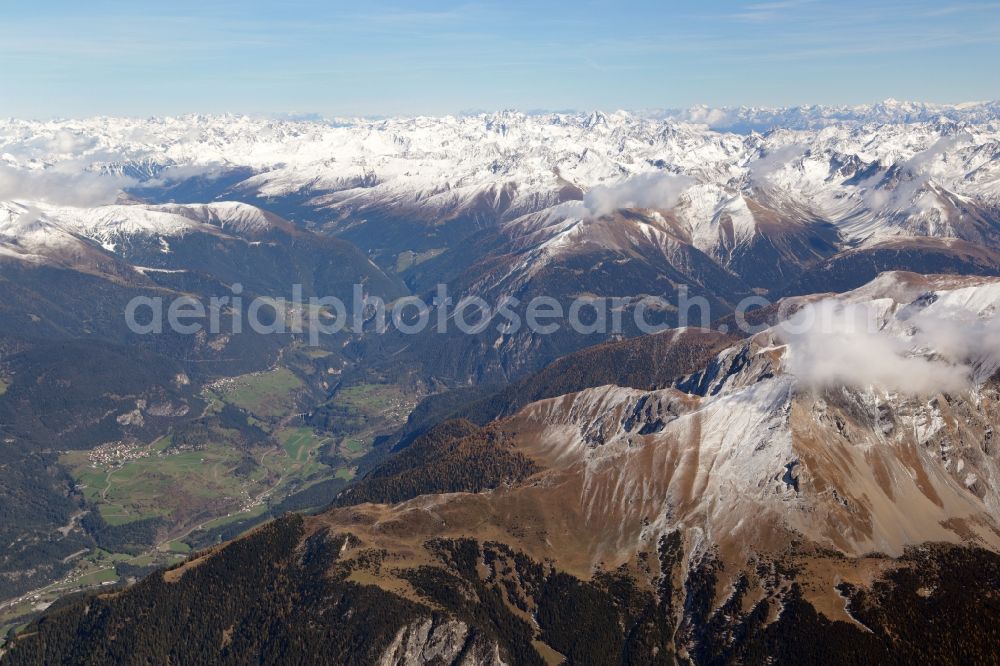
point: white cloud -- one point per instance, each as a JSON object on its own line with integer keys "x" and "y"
{"x": 954, "y": 334}
{"x": 834, "y": 344}
{"x": 62, "y": 185}
{"x": 924, "y": 161}
{"x": 648, "y": 190}
{"x": 177, "y": 173}
{"x": 775, "y": 160}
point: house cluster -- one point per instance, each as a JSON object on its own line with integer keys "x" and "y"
{"x": 114, "y": 454}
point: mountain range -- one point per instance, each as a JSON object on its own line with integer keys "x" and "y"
{"x": 611, "y": 205}
{"x": 739, "y": 511}
{"x": 815, "y": 479}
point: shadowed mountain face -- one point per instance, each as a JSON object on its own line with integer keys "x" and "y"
{"x": 63, "y": 320}
{"x": 744, "y": 511}
{"x": 74, "y": 377}
{"x": 644, "y": 362}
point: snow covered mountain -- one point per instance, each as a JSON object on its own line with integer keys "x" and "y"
{"x": 819, "y": 431}
{"x": 745, "y": 119}
{"x": 875, "y": 173}
{"x": 37, "y": 232}
{"x": 509, "y": 204}
{"x": 801, "y": 442}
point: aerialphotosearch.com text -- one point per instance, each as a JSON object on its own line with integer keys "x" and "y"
{"x": 315, "y": 316}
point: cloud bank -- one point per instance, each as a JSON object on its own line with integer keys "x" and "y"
{"x": 648, "y": 190}
{"x": 834, "y": 344}
{"x": 62, "y": 185}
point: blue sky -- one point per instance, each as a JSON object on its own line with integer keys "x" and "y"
{"x": 60, "y": 59}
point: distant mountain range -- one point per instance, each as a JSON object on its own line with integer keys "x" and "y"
{"x": 921, "y": 173}
{"x": 761, "y": 119}
{"x": 511, "y": 204}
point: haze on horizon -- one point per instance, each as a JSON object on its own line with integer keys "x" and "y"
{"x": 116, "y": 58}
